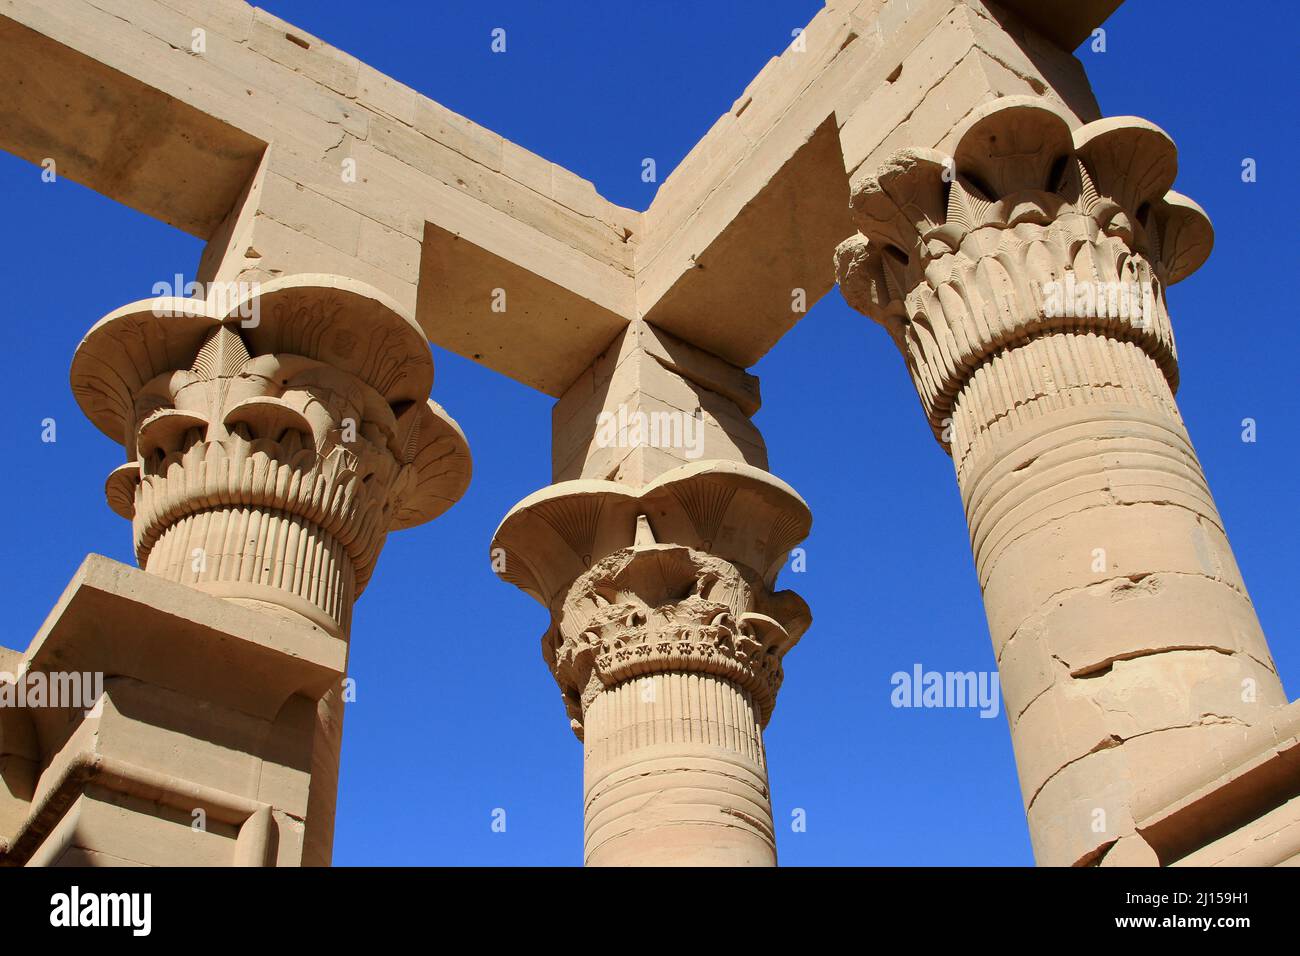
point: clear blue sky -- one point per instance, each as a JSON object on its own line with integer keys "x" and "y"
{"x": 457, "y": 714}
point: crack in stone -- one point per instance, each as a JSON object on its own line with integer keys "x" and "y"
{"x": 1114, "y": 741}
{"x": 1052, "y": 598}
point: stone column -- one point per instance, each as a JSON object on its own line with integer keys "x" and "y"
{"x": 273, "y": 439}
{"x": 1023, "y": 279}
{"x": 273, "y": 444}
{"x": 667, "y": 632}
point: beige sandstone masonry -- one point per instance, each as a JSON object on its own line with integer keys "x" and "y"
{"x": 287, "y": 155}
{"x": 266, "y": 463}
{"x": 649, "y": 403}
{"x": 1008, "y": 273}
{"x": 657, "y": 553}
{"x": 202, "y": 748}
{"x": 666, "y": 639}
{"x": 272, "y": 442}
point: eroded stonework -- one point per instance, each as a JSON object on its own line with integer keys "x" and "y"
{"x": 272, "y": 442}
{"x": 666, "y": 640}
{"x": 267, "y": 460}
{"x": 658, "y": 608}
{"x": 958, "y": 255}
{"x": 1127, "y": 644}
{"x": 269, "y": 456}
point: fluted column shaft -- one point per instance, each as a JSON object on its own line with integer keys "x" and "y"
{"x": 271, "y": 446}
{"x": 673, "y": 765}
{"x": 1124, "y": 636}
{"x": 666, "y": 639}
{"x": 261, "y": 558}
{"x": 1023, "y": 278}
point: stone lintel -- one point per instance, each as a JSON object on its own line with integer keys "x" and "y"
{"x": 486, "y": 305}
{"x": 115, "y": 619}
{"x": 291, "y": 156}
{"x": 119, "y": 135}
{"x": 1066, "y": 23}
{"x": 746, "y": 268}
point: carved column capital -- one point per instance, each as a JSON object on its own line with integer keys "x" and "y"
{"x": 1027, "y": 228}
{"x": 653, "y": 608}
{"x": 675, "y": 577}
{"x": 272, "y": 440}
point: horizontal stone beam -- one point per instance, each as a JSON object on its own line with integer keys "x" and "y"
{"x": 291, "y": 156}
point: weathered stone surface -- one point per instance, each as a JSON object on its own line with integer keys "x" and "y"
{"x": 274, "y": 435}
{"x": 169, "y": 731}
{"x": 1148, "y": 720}
{"x": 649, "y": 403}
{"x": 666, "y": 640}
{"x": 273, "y": 441}
{"x": 1126, "y": 642}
